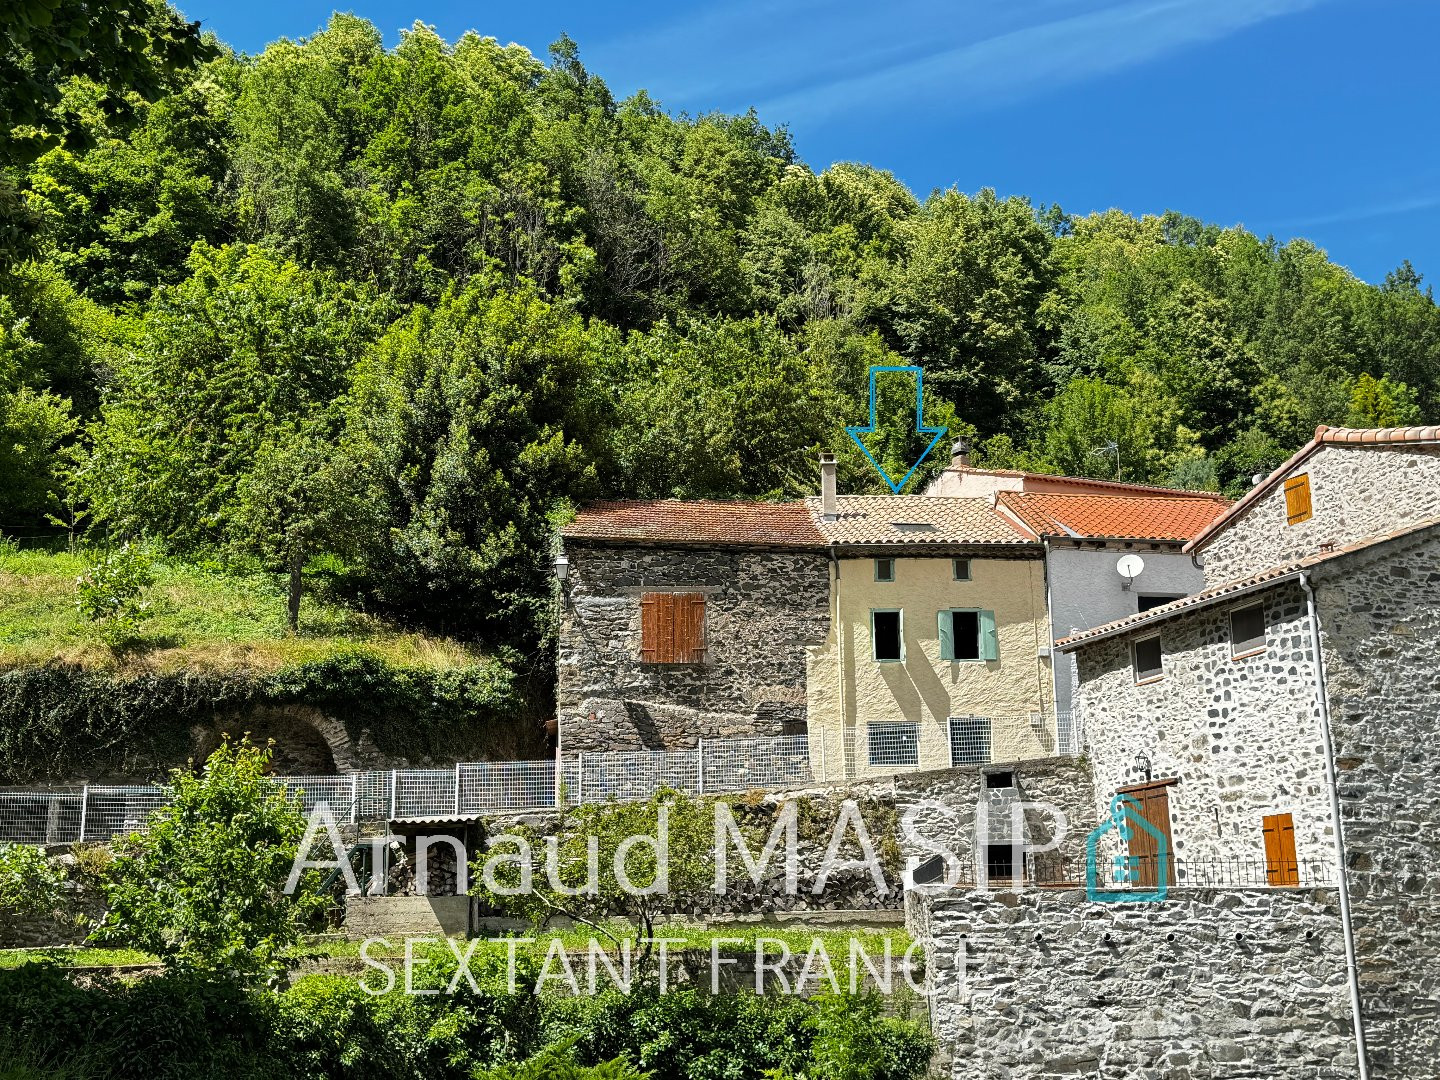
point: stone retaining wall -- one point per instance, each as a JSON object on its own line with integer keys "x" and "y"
{"x": 1212, "y": 985}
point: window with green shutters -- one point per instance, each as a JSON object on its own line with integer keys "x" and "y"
{"x": 968, "y": 634}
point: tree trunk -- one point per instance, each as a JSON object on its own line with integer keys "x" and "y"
{"x": 295, "y": 586}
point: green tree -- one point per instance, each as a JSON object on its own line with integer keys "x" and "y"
{"x": 303, "y": 497}
{"x": 203, "y": 887}
{"x": 30, "y": 882}
{"x": 966, "y": 298}
{"x": 475, "y": 417}
{"x": 245, "y": 346}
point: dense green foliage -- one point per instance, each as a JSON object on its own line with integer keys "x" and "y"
{"x": 30, "y": 883}
{"x": 177, "y": 1027}
{"x": 206, "y": 887}
{"x": 399, "y": 309}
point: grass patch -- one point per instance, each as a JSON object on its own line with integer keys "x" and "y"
{"x": 577, "y": 940}
{"x": 200, "y": 620}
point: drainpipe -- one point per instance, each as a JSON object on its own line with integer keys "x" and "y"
{"x": 840, "y": 664}
{"x": 1351, "y": 967}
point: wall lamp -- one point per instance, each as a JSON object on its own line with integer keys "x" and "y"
{"x": 562, "y": 568}
{"x": 1142, "y": 765}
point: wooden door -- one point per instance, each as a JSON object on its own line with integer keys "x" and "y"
{"x": 1281, "y": 865}
{"x": 1154, "y": 803}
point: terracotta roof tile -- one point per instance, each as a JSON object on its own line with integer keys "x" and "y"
{"x": 905, "y": 520}
{"x": 1229, "y": 588}
{"x": 1324, "y": 436}
{"x": 697, "y": 523}
{"x": 1128, "y": 517}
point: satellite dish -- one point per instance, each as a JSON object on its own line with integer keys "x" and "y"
{"x": 1129, "y": 566}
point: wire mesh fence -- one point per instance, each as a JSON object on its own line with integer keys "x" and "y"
{"x": 99, "y": 812}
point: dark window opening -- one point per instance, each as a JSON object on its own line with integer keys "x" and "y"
{"x": 1147, "y": 602}
{"x": 1148, "y": 659}
{"x": 885, "y": 629}
{"x": 965, "y": 633}
{"x": 1000, "y": 780}
{"x": 961, "y": 569}
{"x": 1247, "y": 629}
{"x": 884, "y": 569}
{"x": 999, "y": 862}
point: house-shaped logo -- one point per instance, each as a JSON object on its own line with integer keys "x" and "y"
{"x": 1125, "y": 818}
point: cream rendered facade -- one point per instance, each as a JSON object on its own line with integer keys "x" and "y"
{"x": 848, "y": 689}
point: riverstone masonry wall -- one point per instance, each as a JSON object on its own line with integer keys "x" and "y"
{"x": 1203, "y": 985}
{"x": 1355, "y": 493}
{"x": 1380, "y": 616}
{"x": 1242, "y": 736}
{"x": 762, "y": 610}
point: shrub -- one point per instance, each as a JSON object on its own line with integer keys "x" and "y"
{"x": 111, "y": 593}
{"x": 30, "y": 882}
{"x": 204, "y": 888}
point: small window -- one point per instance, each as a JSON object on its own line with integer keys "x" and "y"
{"x": 1000, "y": 780}
{"x": 1148, "y": 659}
{"x": 1145, "y": 603}
{"x": 894, "y": 743}
{"x": 885, "y": 635}
{"x": 1297, "y": 499}
{"x": 960, "y": 569}
{"x": 968, "y": 634}
{"x": 969, "y": 740}
{"x": 999, "y": 863}
{"x": 1247, "y": 629}
{"x": 884, "y": 569}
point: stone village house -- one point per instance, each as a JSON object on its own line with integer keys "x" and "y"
{"x": 1279, "y": 726}
{"x": 897, "y": 632}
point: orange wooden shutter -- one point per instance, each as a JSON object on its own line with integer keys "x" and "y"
{"x": 650, "y": 627}
{"x": 1281, "y": 865}
{"x": 1297, "y": 499}
{"x": 690, "y": 627}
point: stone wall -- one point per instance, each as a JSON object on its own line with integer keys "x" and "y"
{"x": 1241, "y": 736}
{"x": 762, "y": 611}
{"x": 1355, "y": 493}
{"x": 943, "y": 804}
{"x": 1380, "y": 617}
{"x": 1204, "y": 985}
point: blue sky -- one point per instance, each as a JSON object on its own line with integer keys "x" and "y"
{"x": 1314, "y": 118}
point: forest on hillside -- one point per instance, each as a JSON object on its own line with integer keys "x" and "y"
{"x": 387, "y": 314}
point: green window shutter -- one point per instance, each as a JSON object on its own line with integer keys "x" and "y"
{"x": 947, "y": 636}
{"x": 989, "y": 642}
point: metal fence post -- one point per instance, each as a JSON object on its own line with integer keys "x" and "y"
{"x": 700, "y": 766}
{"x": 457, "y": 789}
{"x": 354, "y": 798}
{"x": 579, "y": 778}
{"x": 824, "y": 769}
{"x": 84, "y": 808}
{"x": 394, "y": 794}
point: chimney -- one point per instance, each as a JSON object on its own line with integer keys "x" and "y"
{"x": 960, "y": 454}
{"x": 828, "y": 504}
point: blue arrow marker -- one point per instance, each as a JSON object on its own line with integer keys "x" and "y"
{"x": 920, "y": 428}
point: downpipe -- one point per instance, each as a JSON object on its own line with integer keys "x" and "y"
{"x": 1352, "y": 969}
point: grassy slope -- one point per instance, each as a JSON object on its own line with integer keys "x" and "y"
{"x": 200, "y": 620}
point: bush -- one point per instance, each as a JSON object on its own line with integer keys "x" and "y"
{"x": 205, "y": 887}
{"x": 30, "y": 882}
{"x": 111, "y": 593}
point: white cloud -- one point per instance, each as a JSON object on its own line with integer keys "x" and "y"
{"x": 1018, "y": 63}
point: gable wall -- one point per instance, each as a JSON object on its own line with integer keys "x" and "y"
{"x": 1356, "y": 492}
{"x": 762, "y": 610}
